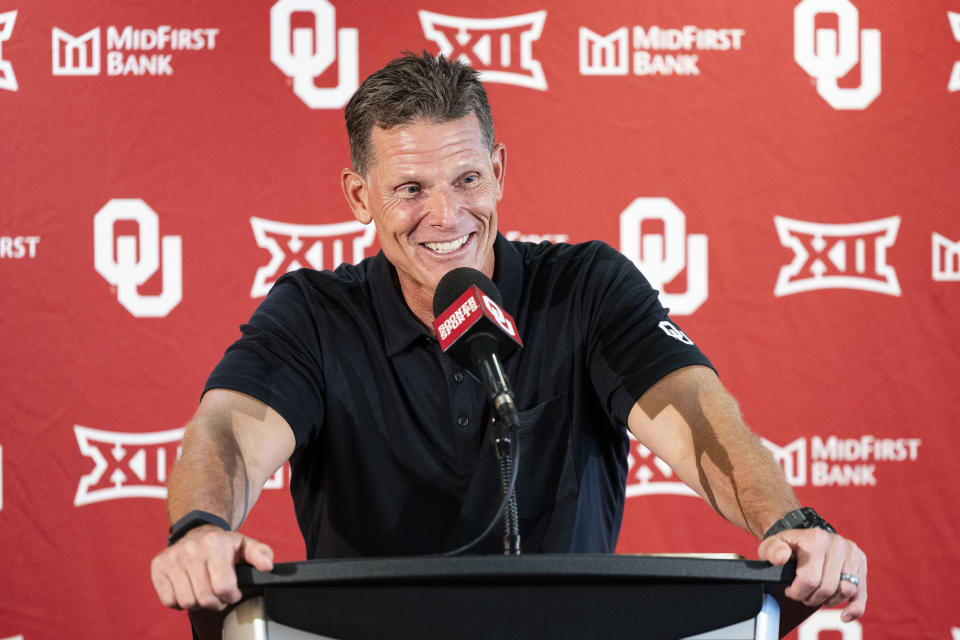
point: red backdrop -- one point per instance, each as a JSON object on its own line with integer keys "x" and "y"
{"x": 786, "y": 170}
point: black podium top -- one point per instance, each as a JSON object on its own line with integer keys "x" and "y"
{"x": 537, "y": 595}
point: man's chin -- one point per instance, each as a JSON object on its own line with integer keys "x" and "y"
{"x": 436, "y": 275}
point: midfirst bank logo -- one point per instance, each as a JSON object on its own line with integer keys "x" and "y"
{"x": 829, "y": 461}
{"x": 318, "y": 246}
{"x": 837, "y": 256}
{"x": 129, "y": 261}
{"x": 130, "y": 51}
{"x": 610, "y": 55}
{"x": 8, "y": 80}
{"x": 501, "y": 49}
{"x": 134, "y": 465}
{"x": 661, "y": 257}
{"x": 306, "y": 52}
{"x": 946, "y": 258}
{"x": 829, "y": 54}
{"x": 18, "y": 247}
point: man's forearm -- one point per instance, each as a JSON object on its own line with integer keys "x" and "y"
{"x": 694, "y": 424}
{"x": 738, "y": 475}
{"x": 211, "y": 475}
{"x": 231, "y": 446}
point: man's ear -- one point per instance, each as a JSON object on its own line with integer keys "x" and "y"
{"x": 499, "y": 160}
{"x": 355, "y": 191}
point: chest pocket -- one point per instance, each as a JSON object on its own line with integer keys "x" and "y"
{"x": 547, "y": 472}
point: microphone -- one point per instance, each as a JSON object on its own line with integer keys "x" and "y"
{"x": 476, "y": 332}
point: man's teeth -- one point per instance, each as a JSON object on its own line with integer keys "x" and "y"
{"x": 446, "y": 247}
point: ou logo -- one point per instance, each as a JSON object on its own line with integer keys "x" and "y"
{"x": 663, "y": 257}
{"x": 500, "y": 316}
{"x": 122, "y": 268}
{"x": 835, "y": 52}
{"x": 305, "y": 53}
{"x": 674, "y": 332}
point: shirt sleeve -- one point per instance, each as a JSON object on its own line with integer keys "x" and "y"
{"x": 277, "y": 359}
{"x": 632, "y": 343}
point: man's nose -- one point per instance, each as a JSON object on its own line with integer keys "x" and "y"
{"x": 442, "y": 211}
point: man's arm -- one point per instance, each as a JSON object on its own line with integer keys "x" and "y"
{"x": 231, "y": 446}
{"x": 693, "y": 424}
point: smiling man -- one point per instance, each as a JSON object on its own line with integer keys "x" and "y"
{"x": 340, "y": 372}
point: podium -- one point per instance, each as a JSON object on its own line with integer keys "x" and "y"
{"x": 527, "y": 596}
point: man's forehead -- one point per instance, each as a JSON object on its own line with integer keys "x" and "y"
{"x": 428, "y": 139}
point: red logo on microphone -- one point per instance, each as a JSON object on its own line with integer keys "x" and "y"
{"x": 466, "y": 311}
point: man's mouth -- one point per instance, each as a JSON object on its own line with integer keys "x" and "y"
{"x": 447, "y": 247}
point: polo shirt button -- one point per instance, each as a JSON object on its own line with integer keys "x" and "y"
{"x": 463, "y": 421}
{"x": 458, "y": 376}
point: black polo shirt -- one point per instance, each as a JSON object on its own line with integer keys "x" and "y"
{"x": 392, "y": 456}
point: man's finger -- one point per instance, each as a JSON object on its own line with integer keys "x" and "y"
{"x": 162, "y": 584}
{"x": 847, "y": 587}
{"x": 775, "y": 550}
{"x": 220, "y": 570}
{"x": 856, "y": 607}
{"x": 257, "y": 554}
{"x": 200, "y": 584}
{"x": 834, "y": 560}
{"x": 808, "y": 578}
{"x": 183, "y": 591}
{"x": 858, "y": 603}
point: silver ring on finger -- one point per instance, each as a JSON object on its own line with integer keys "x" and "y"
{"x": 852, "y": 579}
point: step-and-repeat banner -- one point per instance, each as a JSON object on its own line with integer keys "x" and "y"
{"x": 787, "y": 173}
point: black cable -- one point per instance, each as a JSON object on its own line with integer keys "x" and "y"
{"x": 515, "y": 445}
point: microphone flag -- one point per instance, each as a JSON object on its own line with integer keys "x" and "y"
{"x": 477, "y": 309}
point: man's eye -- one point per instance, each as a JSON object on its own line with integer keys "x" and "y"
{"x": 471, "y": 178}
{"x": 410, "y": 189}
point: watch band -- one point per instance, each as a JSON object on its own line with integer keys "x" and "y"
{"x": 192, "y": 520}
{"x": 802, "y": 518}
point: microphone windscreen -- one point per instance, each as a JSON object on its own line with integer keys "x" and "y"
{"x": 456, "y": 281}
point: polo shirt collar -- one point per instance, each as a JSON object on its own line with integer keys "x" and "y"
{"x": 508, "y": 273}
{"x": 400, "y": 327}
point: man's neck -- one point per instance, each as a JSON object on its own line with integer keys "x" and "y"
{"x": 420, "y": 302}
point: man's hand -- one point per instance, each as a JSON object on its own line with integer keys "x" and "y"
{"x": 821, "y": 558}
{"x": 198, "y": 571}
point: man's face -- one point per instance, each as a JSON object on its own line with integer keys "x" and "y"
{"x": 432, "y": 192}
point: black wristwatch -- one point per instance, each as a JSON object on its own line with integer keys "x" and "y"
{"x": 802, "y": 518}
{"x": 193, "y": 520}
